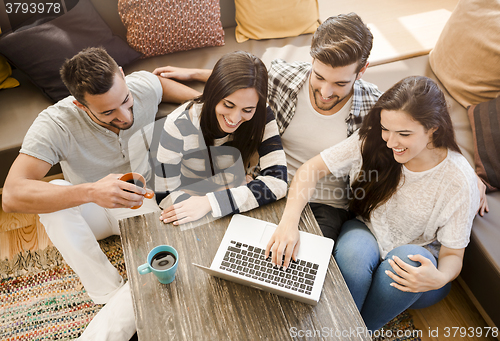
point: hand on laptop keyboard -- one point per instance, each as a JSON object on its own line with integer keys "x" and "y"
{"x": 249, "y": 261}
{"x": 285, "y": 241}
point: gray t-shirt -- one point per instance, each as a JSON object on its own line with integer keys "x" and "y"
{"x": 87, "y": 151}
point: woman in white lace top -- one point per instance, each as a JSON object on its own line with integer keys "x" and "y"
{"x": 414, "y": 195}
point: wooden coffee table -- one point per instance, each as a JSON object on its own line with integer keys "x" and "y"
{"x": 197, "y": 306}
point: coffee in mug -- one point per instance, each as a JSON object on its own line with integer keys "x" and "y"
{"x": 163, "y": 260}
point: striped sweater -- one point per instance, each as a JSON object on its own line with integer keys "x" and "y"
{"x": 188, "y": 167}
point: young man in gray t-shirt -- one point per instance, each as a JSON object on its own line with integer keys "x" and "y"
{"x": 89, "y": 134}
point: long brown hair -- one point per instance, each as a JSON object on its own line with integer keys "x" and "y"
{"x": 420, "y": 98}
{"x": 235, "y": 71}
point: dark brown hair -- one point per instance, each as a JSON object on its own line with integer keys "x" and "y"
{"x": 342, "y": 40}
{"x": 235, "y": 71}
{"x": 420, "y": 98}
{"x": 91, "y": 71}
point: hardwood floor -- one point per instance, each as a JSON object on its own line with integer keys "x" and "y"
{"x": 450, "y": 319}
{"x": 30, "y": 236}
{"x": 454, "y": 318}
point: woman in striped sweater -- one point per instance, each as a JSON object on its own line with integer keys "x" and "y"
{"x": 221, "y": 153}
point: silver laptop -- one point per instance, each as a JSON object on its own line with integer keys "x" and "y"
{"x": 240, "y": 258}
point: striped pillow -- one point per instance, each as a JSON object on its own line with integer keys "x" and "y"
{"x": 485, "y": 121}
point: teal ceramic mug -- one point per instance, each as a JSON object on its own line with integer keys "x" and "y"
{"x": 162, "y": 261}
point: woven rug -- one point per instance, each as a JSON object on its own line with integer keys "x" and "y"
{"x": 41, "y": 298}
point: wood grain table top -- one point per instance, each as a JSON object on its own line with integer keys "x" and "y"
{"x": 196, "y": 306}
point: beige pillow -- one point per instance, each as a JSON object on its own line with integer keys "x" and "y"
{"x": 266, "y": 19}
{"x": 159, "y": 27}
{"x": 466, "y": 58}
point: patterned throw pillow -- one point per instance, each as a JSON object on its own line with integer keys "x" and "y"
{"x": 159, "y": 27}
{"x": 485, "y": 121}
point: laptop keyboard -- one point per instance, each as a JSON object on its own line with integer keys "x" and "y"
{"x": 250, "y": 261}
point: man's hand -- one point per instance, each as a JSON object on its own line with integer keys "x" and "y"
{"x": 183, "y": 74}
{"x": 284, "y": 241}
{"x": 186, "y": 211}
{"x": 109, "y": 192}
{"x": 483, "y": 205}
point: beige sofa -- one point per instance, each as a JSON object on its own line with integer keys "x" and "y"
{"x": 481, "y": 271}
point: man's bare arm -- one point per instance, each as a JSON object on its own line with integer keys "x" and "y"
{"x": 25, "y": 192}
{"x": 183, "y": 74}
{"x": 176, "y": 92}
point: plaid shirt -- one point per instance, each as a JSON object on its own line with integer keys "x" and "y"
{"x": 285, "y": 82}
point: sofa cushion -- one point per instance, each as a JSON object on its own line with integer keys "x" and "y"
{"x": 159, "y": 27}
{"x": 485, "y": 122}
{"x": 40, "y": 50}
{"x": 465, "y": 58}
{"x": 281, "y": 18}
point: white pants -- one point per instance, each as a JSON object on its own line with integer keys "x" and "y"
{"x": 75, "y": 232}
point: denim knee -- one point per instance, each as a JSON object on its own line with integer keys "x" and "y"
{"x": 402, "y": 252}
{"x": 426, "y": 298}
{"x": 356, "y": 243}
{"x": 384, "y": 302}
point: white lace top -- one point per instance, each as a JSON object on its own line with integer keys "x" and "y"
{"x": 434, "y": 205}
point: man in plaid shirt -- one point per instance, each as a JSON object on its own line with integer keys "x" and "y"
{"x": 328, "y": 110}
{"x": 319, "y": 104}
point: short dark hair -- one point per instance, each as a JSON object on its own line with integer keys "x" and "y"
{"x": 91, "y": 71}
{"x": 342, "y": 40}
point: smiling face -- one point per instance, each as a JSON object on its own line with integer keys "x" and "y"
{"x": 410, "y": 143}
{"x": 330, "y": 88}
{"x": 236, "y": 108}
{"x": 113, "y": 109}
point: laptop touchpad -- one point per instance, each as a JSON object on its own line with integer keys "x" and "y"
{"x": 266, "y": 235}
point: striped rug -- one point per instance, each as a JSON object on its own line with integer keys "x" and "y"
{"x": 41, "y": 298}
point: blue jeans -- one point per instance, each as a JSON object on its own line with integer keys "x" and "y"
{"x": 358, "y": 257}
